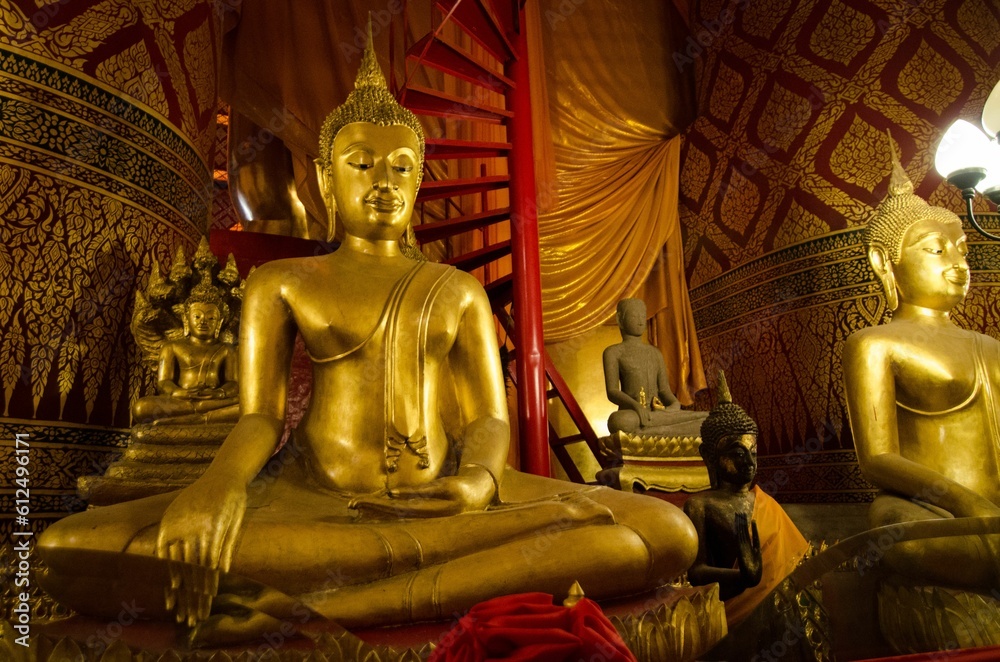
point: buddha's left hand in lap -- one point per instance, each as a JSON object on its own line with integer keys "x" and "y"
{"x": 471, "y": 490}
{"x": 199, "y": 393}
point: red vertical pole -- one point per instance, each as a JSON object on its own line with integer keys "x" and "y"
{"x": 532, "y": 405}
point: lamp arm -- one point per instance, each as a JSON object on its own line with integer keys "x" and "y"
{"x": 969, "y": 194}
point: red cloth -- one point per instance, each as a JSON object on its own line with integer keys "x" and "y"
{"x": 528, "y": 627}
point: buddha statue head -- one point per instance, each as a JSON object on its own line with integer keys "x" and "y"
{"x": 205, "y": 311}
{"x": 371, "y": 156}
{"x": 916, "y": 250}
{"x": 729, "y": 441}
{"x": 631, "y": 317}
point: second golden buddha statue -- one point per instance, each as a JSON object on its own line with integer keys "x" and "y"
{"x": 922, "y": 394}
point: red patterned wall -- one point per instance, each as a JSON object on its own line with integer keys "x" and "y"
{"x": 159, "y": 53}
{"x": 106, "y": 125}
{"x": 786, "y": 160}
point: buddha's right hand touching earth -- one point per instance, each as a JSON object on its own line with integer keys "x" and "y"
{"x": 197, "y": 538}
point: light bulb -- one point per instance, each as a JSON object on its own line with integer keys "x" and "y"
{"x": 991, "y": 112}
{"x": 992, "y": 178}
{"x": 962, "y": 156}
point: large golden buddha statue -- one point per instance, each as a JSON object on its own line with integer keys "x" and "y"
{"x": 392, "y": 502}
{"x": 922, "y": 394}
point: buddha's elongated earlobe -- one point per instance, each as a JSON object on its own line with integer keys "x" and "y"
{"x": 882, "y": 266}
{"x": 326, "y": 191}
{"x": 408, "y": 245}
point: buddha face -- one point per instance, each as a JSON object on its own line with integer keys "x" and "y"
{"x": 932, "y": 271}
{"x": 737, "y": 459}
{"x": 632, "y": 317}
{"x": 203, "y": 320}
{"x": 373, "y": 172}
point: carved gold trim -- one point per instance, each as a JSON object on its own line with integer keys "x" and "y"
{"x": 665, "y": 479}
{"x": 34, "y": 423}
{"x": 645, "y": 447}
{"x": 930, "y": 618}
{"x": 90, "y": 80}
{"x": 185, "y": 232}
{"x": 195, "y": 180}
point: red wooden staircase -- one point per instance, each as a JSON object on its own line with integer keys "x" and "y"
{"x": 476, "y": 54}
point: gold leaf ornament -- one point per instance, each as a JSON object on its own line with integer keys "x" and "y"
{"x": 11, "y": 360}
{"x": 872, "y": 308}
{"x": 13, "y": 23}
{"x": 69, "y": 361}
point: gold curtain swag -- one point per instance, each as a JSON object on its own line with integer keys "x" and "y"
{"x": 600, "y": 245}
{"x": 609, "y": 226}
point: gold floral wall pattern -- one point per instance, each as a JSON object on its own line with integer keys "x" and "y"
{"x": 107, "y": 114}
{"x": 784, "y": 164}
{"x": 160, "y": 54}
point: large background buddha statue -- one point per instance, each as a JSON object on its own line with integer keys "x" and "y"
{"x": 394, "y": 483}
{"x": 922, "y": 394}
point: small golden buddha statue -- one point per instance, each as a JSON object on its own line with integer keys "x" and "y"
{"x": 921, "y": 394}
{"x": 635, "y": 378}
{"x": 392, "y": 502}
{"x": 186, "y": 331}
{"x": 746, "y": 541}
{"x": 184, "y": 326}
{"x": 197, "y": 374}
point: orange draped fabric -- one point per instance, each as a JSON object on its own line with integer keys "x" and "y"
{"x": 781, "y": 546}
{"x": 610, "y": 227}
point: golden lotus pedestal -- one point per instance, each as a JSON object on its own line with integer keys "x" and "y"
{"x": 930, "y": 618}
{"x": 672, "y": 623}
{"x": 158, "y": 459}
{"x": 662, "y": 463}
